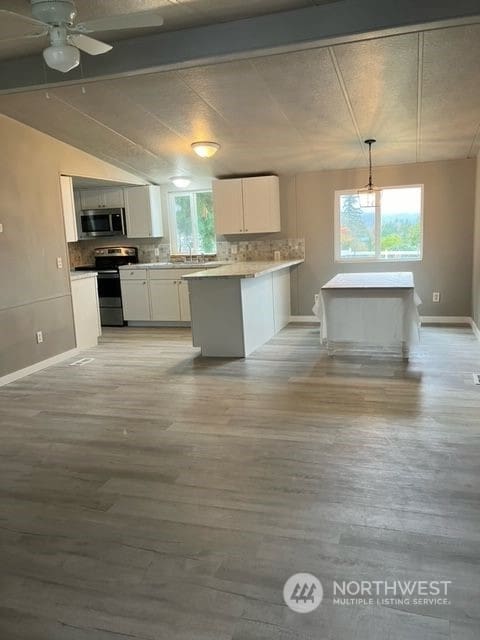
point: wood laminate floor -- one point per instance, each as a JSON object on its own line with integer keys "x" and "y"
{"x": 153, "y": 494}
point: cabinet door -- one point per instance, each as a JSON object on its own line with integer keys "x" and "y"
{"x": 113, "y": 198}
{"x": 164, "y": 300}
{"x": 68, "y": 204}
{"x": 261, "y": 204}
{"x": 143, "y": 212}
{"x": 135, "y": 300}
{"x": 184, "y": 299}
{"x": 228, "y": 206}
{"x": 91, "y": 198}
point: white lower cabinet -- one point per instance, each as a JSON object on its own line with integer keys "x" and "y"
{"x": 86, "y": 312}
{"x": 164, "y": 300}
{"x": 135, "y": 300}
{"x": 184, "y": 299}
{"x": 155, "y": 295}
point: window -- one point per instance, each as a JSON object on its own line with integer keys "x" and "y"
{"x": 192, "y": 225}
{"x": 390, "y": 231}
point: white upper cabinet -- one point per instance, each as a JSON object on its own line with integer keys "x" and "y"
{"x": 261, "y": 204}
{"x": 247, "y": 205}
{"x": 102, "y": 198}
{"x": 228, "y": 206}
{"x": 68, "y": 204}
{"x": 143, "y": 212}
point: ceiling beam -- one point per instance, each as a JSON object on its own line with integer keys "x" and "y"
{"x": 323, "y": 25}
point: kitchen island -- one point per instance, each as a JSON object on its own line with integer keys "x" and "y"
{"x": 238, "y": 307}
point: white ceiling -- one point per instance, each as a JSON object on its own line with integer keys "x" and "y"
{"x": 417, "y": 93}
{"x": 177, "y": 14}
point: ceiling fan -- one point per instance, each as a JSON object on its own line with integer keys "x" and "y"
{"x": 56, "y": 18}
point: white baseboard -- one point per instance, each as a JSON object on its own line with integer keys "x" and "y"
{"x": 306, "y": 319}
{"x": 475, "y": 329}
{"x": 423, "y": 319}
{"x": 445, "y": 320}
{"x": 38, "y": 366}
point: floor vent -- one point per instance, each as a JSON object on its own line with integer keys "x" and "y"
{"x": 82, "y": 361}
{"x": 476, "y": 378}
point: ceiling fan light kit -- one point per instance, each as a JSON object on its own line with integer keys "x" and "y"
{"x": 57, "y": 18}
{"x": 62, "y": 57}
{"x": 367, "y": 195}
{"x": 205, "y": 149}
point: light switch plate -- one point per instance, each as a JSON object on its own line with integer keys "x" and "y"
{"x": 1, "y": 227}
{"x": 59, "y": 263}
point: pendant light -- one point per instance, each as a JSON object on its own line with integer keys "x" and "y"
{"x": 367, "y": 195}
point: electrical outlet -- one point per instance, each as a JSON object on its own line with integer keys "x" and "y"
{"x": 39, "y": 335}
{"x": 1, "y": 227}
{"x": 436, "y": 296}
{"x": 234, "y": 249}
{"x": 59, "y": 263}
{"x": 276, "y": 255}
{"x": 157, "y": 251}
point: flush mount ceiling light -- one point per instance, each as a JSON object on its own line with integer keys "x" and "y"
{"x": 181, "y": 181}
{"x": 205, "y": 149}
{"x": 367, "y": 195}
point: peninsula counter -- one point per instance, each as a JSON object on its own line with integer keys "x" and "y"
{"x": 238, "y": 307}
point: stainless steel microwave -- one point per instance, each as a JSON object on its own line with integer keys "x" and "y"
{"x": 96, "y": 223}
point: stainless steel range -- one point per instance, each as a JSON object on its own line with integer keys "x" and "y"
{"x": 107, "y": 261}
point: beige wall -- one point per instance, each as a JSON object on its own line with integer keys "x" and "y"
{"x": 476, "y": 251}
{"x": 307, "y": 201}
{"x": 34, "y": 294}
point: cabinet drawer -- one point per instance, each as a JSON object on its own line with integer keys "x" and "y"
{"x": 171, "y": 274}
{"x": 133, "y": 274}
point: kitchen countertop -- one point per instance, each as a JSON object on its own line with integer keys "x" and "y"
{"x": 174, "y": 265}
{"x": 244, "y": 269}
{"x": 81, "y": 275}
{"x": 383, "y": 280}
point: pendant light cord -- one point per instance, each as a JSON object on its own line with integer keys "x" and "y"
{"x": 370, "y": 141}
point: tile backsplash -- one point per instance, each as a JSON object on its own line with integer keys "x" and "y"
{"x": 82, "y": 252}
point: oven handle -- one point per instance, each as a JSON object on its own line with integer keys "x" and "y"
{"x": 108, "y": 276}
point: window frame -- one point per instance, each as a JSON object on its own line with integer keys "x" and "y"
{"x": 378, "y": 219}
{"x": 172, "y": 222}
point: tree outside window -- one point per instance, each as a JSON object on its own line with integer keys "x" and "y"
{"x": 192, "y": 223}
{"x": 392, "y": 230}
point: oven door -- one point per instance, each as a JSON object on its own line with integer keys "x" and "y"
{"x": 110, "y": 298}
{"x": 109, "y": 292}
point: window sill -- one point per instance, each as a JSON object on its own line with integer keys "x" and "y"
{"x": 376, "y": 260}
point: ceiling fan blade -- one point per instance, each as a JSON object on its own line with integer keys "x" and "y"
{"x": 19, "y": 26}
{"x": 137, "y": 20}
{"x": 89, "y": 45}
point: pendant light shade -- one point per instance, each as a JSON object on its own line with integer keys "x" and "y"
{"x": 367, "y": 195}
